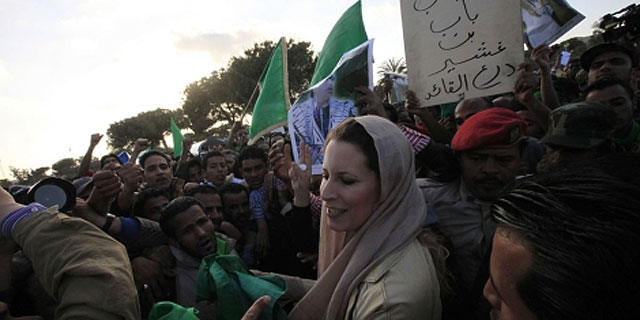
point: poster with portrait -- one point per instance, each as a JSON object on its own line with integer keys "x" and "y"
{"x": 325, "y": 105}
{"x": 461, "y": 49}
{"x": 547, "y": 20}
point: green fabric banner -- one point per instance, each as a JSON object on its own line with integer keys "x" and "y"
{"x": 166, "y": 310}
{"x": 346, "y": 34}
{"x": 177, "y": 139}
{"x": 226, "y": 279}
{"x": 272, "y": 105}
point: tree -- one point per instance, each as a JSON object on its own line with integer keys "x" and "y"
{"x": 66, "y": 168}
{"x": 29, "y": 176}
{"x": 151, "y": 125}
{"x": 396, "y": 65}
{"x": 212, "y": 104}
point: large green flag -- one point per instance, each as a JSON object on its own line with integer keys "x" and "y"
{"x": 346, "y": 34}
{"x": 177, "y": 139}
{"x": 272, "y": 105}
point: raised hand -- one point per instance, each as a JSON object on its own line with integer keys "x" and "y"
{"x": 526, "y": 84}
{"x": 369, "y": 103}
{"x": 106, "y": 187}
{"x": 278, "y": 160}
{"x": 95, "y": 139}
{"x": 413, "y": 105}
{"x": 541, "y": 55}
{"x": 300, "y": 175}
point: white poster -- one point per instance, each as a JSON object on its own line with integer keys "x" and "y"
{"x": 461, "y": 49}
{"x": 547, "y": 20}
{"x": 400, "y": 86}
{"x": 325, "y": 105}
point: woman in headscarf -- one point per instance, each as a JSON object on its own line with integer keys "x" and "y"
{"x": 374, "y": 262}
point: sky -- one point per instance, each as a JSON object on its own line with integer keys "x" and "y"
{"x": 70, "y": 68}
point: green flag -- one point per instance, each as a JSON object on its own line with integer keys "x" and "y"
{"x": 177, "y": 139}
{"x": 272, "y": 105}
{"x": 346, "y": 34}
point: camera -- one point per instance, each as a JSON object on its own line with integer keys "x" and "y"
{"x": 50, "y": 191}
{"x": 624, "y": 23}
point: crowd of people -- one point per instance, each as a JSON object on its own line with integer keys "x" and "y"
{"x": 517, "y": 206}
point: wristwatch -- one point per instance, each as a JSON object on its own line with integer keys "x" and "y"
{"x": 108, "y": 222}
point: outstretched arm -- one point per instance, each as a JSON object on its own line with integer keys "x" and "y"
{"x": 541, "y": 56}
{"x": 438, "y": 132}
{"x": 84, "y": 269}
{"x": 86, "y": 160}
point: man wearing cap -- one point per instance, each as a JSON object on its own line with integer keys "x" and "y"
{"x": 579, "y": 131}
{"x": 617, "y": 95}
{"x": 487, "y": 147}
{"x": 608, "y": 60}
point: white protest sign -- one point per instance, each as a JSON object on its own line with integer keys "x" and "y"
{"x": 461, "y": 49}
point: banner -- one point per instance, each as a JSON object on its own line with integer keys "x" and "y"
{"x": 346, "y": 34}
{"x": 270, "y": 110}
{"x": 332, "y": 100}
{"x": 547, "y": 20}
{"x": 177, "y": 139}
{"x": 461, "y": 49}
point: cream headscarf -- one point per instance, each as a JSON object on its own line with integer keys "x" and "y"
{"x": 345, "y": 260}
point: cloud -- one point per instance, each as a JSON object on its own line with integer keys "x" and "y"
{"x": 220, "y": 46}
{"x": 4, "y": 73}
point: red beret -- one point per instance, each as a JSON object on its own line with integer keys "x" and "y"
{"x": 494, "y": 127}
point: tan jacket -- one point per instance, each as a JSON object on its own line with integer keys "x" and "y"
{"x": 403, "y": 286}
{"x": 85, "y": 270}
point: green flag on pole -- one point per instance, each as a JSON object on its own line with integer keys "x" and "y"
{"x": 346, "y": 34}
{"x": 272, "y": 105}
{"x": 177, "y": 139}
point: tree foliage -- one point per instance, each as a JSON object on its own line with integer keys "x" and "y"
{"x": 28, "y": 176}
{"x": 212, "y": 104}
{"x": 396, "y": 65}
{"x": 66, "y": 168}
{"x": 151, "y": 125}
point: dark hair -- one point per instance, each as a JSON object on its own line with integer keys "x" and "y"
{"x": 146, "y": 155}
{"x": 202, "y": 188}
{"x": 143, "y": 196}
{"x": 232, "y": 188}
{"x": 208, "y": 155}
{"x": 582, "y": 225}
{"x": 252, "y": 152}
{"x": 194, "y": 163}
{"x": 105, "y": 157}
{"x": 172, "y": 209}
{"x": 604, "y": 83}
{"x": 352, "y": 132}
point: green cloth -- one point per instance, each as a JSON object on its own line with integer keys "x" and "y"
{"x": 222, "y": 246}
{"x": 346, "y": 34}
{"x": 226, "y": 279}
{"x": 632, "y": 138}
{"x": 172, "y": 311}
{"x": 272, "y": 105}
{"x": 177, "y": 139}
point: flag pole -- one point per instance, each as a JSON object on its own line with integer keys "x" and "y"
{"x": 246, "y": 107}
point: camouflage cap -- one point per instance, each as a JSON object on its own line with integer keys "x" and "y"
{"x": 581, "y": 125}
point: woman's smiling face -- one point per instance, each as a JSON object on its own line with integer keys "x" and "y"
{"x": 350, "y": 190}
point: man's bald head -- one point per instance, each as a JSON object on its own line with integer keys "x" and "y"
{"x": 468, "y": 107}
